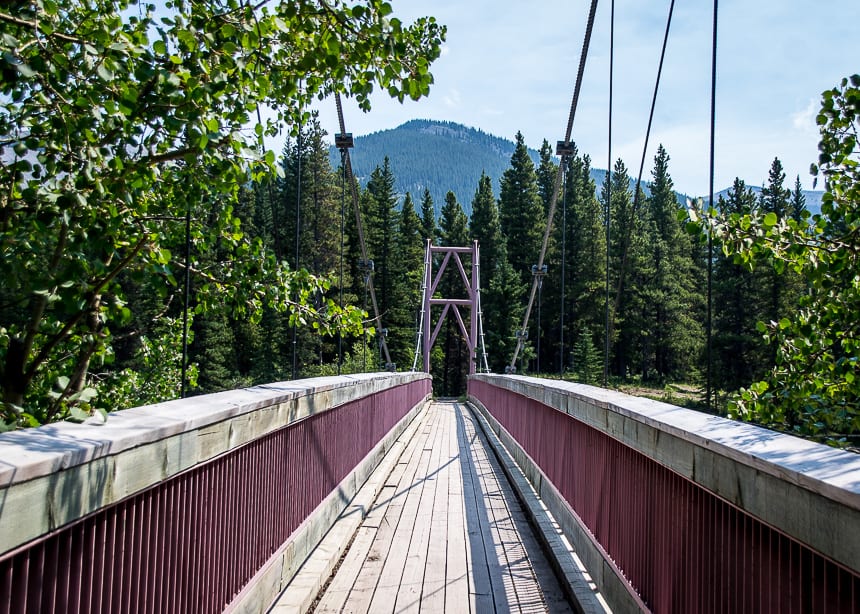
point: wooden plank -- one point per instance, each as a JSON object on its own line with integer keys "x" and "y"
{"x": 481, "y": 597}
{"x": 553, "y": 597}
{"x": 446, "y": 533}
{"x": 409, "y": 592}
{"x": 391, "y": 572}
{"x": 433, "y": 588}
{"x": 496, "y": 535}
{"x": 392, "y": 502}
{"x": 336, "y": 594}
{"x": 533, "y": 581}
{"x": 337, "y": 591}
{"x": 457, "y": 570}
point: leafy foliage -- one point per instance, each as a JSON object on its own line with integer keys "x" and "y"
{"x": 814, "y": 388}
{"x": 119, "y": 124}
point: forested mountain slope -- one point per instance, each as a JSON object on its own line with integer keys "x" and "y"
{"x": 439, "y": 156}
{"x": 442, "y": 156}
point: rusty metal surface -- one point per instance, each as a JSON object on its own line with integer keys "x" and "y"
{"x": 682, "y": 548}
{"x": 191, "y": 544}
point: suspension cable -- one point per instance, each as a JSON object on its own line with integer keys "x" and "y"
{"x": 357, "y": 209}
{"x": 420, "y": 327}
{"x": 608, "y": 205}
{"x": 709, "y": 324}
{"x": 298, "y": 234}
{"x": 636, "y": 202}
{"x": 480, "y": 314}
{"x": 557, "y": 182}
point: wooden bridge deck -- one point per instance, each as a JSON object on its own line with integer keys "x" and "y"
{"x": 445, "y": 534}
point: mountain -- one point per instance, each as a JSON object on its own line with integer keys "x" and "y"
{"x": 439, "y": 156}
{"x": 443, "y": 156}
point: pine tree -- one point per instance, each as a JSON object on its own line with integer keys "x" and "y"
{"x": 774, "y": 195}
{"x": 498, "y": 297}
{"x": 309, "y": 220}
{"x": 546, "y": 172}
{"x": 521, "y": 212}
{"x": 797, "y": 206}
{"x": 630, "y": 275}
{"x": 580, "y": 239}
{"x": 484, "y": 226}
{"x": 677, "y": 336}
{"x": 503, "y": 305}
{"x": 380, "y": 228}
{"x": 778, "y": 298}
{"x": 739, "y": 352}
{"x": 407, "y": 271}
{"x": 429, "y": 229}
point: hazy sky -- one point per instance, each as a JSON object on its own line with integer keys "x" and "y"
{"x": 509, "y": 66}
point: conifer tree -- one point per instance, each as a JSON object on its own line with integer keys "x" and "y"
{"x": 629, "y": 275}
{"x": 521, "y": 211}
{"x": 381, "y": 227}
{"x": 797, "y": 206}
{"x": 407, "y": 271}
{"x": 498, "y": 297}
{"x": 579, "y": 230}
{"x": 503, "y": 313}
{"x": 677, "y": 336}
{"x": 484, "y": 226}
{"x": 739, "y": 352}
{"x": 774, "y": 195}
{"x": 429, "y": 228}
{"x": 546, "y": 173}
{"x": 308, "y": 224}
{"x": 778, "y": 297}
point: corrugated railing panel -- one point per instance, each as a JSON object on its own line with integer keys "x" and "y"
{"x": 190, "y": 544}
{"x": 681, "y": 548}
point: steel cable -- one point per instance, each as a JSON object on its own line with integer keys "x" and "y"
{"x": 636, "y": 198}
{"x": 357, "y": 209}
{"x": 557, "y": 183}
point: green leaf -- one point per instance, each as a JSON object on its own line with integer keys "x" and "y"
{"x": 770, "y": 220}
{"x": 104, "y": 73}
{"x": 77, "y": 414}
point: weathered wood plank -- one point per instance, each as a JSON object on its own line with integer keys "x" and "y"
{"x": 391, "y": 574}
{"x": 446, "y": 533}
{"x": 433, "y": 588}
{"x": 457, "y": 570}
{"x": 411, "y": 583}
{"x": 392, "y": 501}
{"x": 482, "y": 590}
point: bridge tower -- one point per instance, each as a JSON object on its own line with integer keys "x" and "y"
{"x": 475, "y": 333}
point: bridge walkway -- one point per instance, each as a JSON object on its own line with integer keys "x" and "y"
{"x": 445, "y": 534}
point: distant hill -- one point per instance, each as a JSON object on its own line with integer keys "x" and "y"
{"x": 443, "y": 156}
{"x": 439, "y": 156}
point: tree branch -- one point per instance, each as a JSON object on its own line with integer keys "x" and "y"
{"x": 94, "y": 295}
{"x": 34, "y": 25}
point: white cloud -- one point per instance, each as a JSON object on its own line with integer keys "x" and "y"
{"x": 804, "y": 120}
{"x": 452, "y": 99}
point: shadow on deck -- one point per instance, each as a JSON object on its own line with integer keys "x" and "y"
{"x": 446, "y": 533}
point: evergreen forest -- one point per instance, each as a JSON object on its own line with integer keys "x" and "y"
{"x": 657, "y": 282}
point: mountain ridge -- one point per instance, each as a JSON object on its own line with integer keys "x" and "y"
{"x": 443, "y": 155}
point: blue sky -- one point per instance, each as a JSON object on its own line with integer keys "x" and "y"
{"x": 510, "y": 66}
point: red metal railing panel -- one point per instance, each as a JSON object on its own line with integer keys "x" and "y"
{"x": 191, "y": 543}
{"x": 682, "y": 548}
